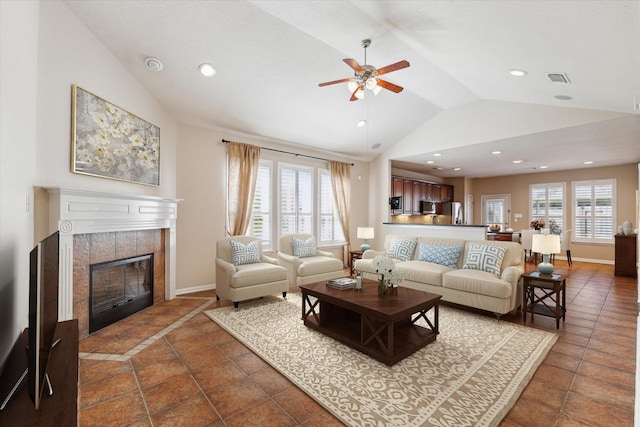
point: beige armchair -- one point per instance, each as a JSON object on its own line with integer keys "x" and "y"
{"x": 243, "y": 271}
{"x": 307, "y": 264}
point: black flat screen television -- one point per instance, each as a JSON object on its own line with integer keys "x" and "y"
{"x": 43, "y": 313}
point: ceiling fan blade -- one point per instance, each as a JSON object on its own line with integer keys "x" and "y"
{"x": 334, "y": 82}
{"x": 353, "y": 64}
{"x": 390, "y": 86}
{"x": 393, "y": 67}
{"x": 353, "y": 95}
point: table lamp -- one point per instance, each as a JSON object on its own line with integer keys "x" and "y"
{"x": 546, "y": 244}
{"x": 366, "y": 233}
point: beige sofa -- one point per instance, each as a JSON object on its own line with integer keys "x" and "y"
{"x": 498, "y": 292}
{"x": 240, "y": 277}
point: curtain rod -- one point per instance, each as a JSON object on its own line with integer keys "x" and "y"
{"x": 226, "y": 141}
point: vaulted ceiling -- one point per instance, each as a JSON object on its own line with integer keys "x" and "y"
{"x": 270, "y": 57}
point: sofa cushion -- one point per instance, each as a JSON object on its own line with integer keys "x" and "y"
{"x": 304, "y": 248}
{"x": 257, "y": 273}
{"x": 245, "y": 254}
{"x": 401, "y": 249}
{"x": 443, "y": 255}
{"x": 423, "y": 272}
{"x": 484, "y": 258}
{"x": 477, "y": 282}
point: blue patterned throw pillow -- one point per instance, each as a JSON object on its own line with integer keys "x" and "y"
{"x": 304, "y": 248}
{"x": 401, "y": 249}
{"x": 485, "y": 258}
{"x": 245, "y": 254}
{"x": 443, "y": 255}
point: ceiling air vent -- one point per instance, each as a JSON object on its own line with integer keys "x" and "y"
{"x": 558, "y": 78}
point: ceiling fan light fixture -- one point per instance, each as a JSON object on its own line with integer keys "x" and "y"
{"x": 360, "y": 93}
{"x": 372, "y": 83}
{"x": 352, "y": 86}
{"x": 376, "y": 90}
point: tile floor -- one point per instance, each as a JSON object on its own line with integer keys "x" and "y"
{"x": 171, "y": 365}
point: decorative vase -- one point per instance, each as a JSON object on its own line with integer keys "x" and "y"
{"x": 627, "y": 228}
{"x": 393, "y": 290}
{"x": 620, "y": 230}
{"x": 382, "y": 287}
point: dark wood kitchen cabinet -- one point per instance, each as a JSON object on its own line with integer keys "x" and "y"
{"x": 626, "y": 255}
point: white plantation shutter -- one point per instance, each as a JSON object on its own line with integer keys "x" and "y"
{"x": 547, "y": 202}
{"x": 296, "y": 199}
{"x": 593, "y": 205}
{"x": 260, "y": 225}
{"x": 495, "y": 211}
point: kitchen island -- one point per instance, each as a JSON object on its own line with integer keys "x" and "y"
{"x": 456, "y": 231}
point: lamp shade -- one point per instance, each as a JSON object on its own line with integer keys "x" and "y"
{"x": 368, "y": 233}
{"x": 546, "y": 243}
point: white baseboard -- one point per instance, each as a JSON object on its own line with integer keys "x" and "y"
{"x": 183, "y": 291}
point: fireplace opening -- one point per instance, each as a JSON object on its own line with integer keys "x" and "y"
{"x": 118, "y": 289}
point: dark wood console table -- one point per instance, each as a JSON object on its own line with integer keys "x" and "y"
{"x": 626, "y": 255}
{"x": 60, "y": 409}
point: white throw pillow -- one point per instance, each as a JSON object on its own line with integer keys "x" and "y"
{"x": 485, "y": 258}
{"x": 245, "y": 254}
{"x": 304, "y": 248}
{"x": 401, "y": 249}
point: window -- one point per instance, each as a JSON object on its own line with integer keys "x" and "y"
{"x": 546, "y": 202}
{"x": 296, "y": 199}
{"x": 298, "y": 206}
{"x": 260, "y": 225}
{"x": 330, "y": 228}
{"x": 593, "y": 210}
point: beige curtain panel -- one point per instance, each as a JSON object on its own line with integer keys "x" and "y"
{"x": 242, "y": 173}
{"x": 340, "y": 173}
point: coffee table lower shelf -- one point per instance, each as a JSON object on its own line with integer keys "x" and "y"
{"x": 407, "y": 339}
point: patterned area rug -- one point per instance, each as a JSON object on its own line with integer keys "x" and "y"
{"x": 470, "y": 376}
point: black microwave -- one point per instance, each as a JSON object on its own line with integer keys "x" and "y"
{"x": 427, "y": 208}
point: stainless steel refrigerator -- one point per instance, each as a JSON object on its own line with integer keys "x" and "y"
{"x": 453, "y": 213}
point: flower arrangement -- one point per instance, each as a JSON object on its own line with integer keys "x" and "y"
{"x": 388, "y": 274}
{"x": 537, "y": 224}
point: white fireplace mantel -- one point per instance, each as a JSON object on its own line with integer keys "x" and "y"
{"x": 73, "y": 211}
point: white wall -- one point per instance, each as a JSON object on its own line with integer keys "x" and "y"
{"x": 68, "y": 54}
{"x": 45, "y": 50}
{"x": 18, "y": 79}
{"x": 202, "y": 175}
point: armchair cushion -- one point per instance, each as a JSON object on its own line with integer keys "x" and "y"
{"x": 485, "y": 258}
{"x": 244, "y": 254}
{"x": 304, "y": 248}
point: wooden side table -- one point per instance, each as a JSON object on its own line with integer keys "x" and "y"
{"x": 354, "y": 255}
{"x": 551, "y": 298}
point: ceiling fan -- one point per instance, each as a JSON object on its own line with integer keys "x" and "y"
{"x": 366, "y": 76}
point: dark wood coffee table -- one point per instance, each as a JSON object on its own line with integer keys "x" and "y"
{"x": 381, "y": 327}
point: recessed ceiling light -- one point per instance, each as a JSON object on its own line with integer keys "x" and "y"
{"x": 563, "y": 97}
{"x": 153, "y": 64}
{"x": 496, "y": 152}
{"x": 516, "y": 161}
{"x": 430, "y": 162}
{"x": 456, "y": 169}
{"x": 588, "y": 162}
{"x": 439, "y": 169}
{"x": 374, "y": 146}
{"x": 361, "y": 123}
{"x": 207, "y": 70}
{"x": 517, "y": 73}
{"x": 437, "y": 154}
{"x": 544, "y": 167}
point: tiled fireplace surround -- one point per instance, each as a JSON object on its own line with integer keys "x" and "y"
{"x": 96, "y": 227}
